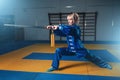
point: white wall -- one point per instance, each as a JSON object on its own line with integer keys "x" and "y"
{"x": 35, "y": 12}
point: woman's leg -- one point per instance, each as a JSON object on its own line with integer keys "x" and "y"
{"x": 57, "y": 56}
{"x": 98, "y": 61}
{"x": 94, "y": 59}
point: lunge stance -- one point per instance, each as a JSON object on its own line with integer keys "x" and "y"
{"x": 73, "y": 33}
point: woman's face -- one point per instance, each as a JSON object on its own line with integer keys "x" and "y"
{"x": 70, "y": 20}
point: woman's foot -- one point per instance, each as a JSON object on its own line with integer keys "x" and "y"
{"x": 51, "y": 69}
{"x": 106, "y": 65}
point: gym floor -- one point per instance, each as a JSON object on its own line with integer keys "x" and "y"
{"x": 37, "y": 58}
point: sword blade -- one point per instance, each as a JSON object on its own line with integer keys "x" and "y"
{"x": 24, "y": 26}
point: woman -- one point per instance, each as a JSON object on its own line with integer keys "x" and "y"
{"x": 75, "y": 47}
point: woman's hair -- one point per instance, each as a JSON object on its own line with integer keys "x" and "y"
{"x": 75, "y": 17}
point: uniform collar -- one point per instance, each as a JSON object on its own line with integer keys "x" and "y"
{"x": 73, "y": 25}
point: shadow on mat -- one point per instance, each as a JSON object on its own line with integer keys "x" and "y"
{"x": 72, "y": 65}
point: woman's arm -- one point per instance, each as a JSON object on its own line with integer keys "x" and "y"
{"x": 62, "y": 30}
{"x": 58, "y": 30}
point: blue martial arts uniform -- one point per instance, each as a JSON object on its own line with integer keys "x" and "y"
{"x": 75, "y": 46}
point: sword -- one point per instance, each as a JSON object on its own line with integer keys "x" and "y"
{"x": 24, "y": 26}
{"x": 52, "y": 37}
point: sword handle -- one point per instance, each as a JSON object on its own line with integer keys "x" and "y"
{"x": 52, "y": 39}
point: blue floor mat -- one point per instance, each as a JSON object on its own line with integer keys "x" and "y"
{"x": 20, "y": 75}
{"x": 104, "y": 54}
{"x": 10, "y": 46}
{"x": 49, "y": 76}
{"x": 17, "y": 75}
